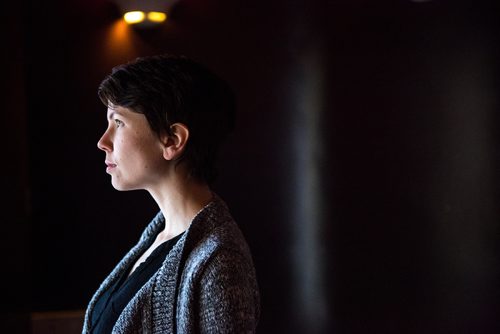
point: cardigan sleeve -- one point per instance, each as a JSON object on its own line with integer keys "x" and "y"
{"x": 229, "y": 300}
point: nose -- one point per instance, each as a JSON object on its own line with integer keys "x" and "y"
{"x": 105, "y": 143}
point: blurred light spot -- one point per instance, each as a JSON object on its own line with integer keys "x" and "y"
{"x": 134, "y": 17}
{"x": 157, "y": 17}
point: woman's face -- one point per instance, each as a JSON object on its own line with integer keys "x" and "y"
{"x": 134, "y": 153}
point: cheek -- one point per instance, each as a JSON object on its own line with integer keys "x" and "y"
{"x": 142, "y": 151}
{"x": 145, "y": 151}
{"x": 120, "y": 146}
{"x": 126, "y": 150}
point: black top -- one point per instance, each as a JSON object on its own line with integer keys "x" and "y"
{"x": 111, "y": 303}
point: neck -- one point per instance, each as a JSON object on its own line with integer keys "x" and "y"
{"x": 179, "y": 201}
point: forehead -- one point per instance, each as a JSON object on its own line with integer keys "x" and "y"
{"x": 118, "y": 110}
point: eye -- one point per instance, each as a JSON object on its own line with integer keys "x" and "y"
{"x": 118, "y": 123}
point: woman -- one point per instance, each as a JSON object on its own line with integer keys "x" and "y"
{"x": 191, "y": 270}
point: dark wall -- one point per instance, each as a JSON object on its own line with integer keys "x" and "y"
{"x": 413, "y": 130}
{"x": 14, "y": 214}
{"x": 364, "y": 169}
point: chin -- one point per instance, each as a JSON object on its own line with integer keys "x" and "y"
{"x": 119, "y": 186}
{"x": 123, "y": 187}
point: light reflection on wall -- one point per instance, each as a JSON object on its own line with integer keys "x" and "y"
{"x": 119, "y": 44}
{"x": 309, "y": 150}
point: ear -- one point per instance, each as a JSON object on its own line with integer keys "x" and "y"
{"x": 175, "y": 143}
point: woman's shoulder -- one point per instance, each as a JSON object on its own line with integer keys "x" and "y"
{"x": 213, "y": 232}
{"x": 215, "y": 227}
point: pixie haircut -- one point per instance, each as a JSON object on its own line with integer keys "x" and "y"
{"x": 171, "y": 89}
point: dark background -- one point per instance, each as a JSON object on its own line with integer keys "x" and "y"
{"x": 364, "y": 171}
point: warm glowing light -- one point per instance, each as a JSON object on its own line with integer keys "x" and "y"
{"x": 134, "y": 17}
{"x": 119, "y": 42}
{"x": 137, "y": 17}
{"x": 157, "y": 17}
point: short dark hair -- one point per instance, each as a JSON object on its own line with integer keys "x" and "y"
{"x": 170, "y": 89}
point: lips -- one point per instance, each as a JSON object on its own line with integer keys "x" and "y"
{"x": 110, "y": 166}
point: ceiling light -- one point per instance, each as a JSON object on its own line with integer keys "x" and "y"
{"x": 145, "y": 13}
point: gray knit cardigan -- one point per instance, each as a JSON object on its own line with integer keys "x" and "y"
{"x": 206, "y": 284}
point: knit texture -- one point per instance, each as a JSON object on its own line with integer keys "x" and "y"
{"x": 207, "y": 283}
